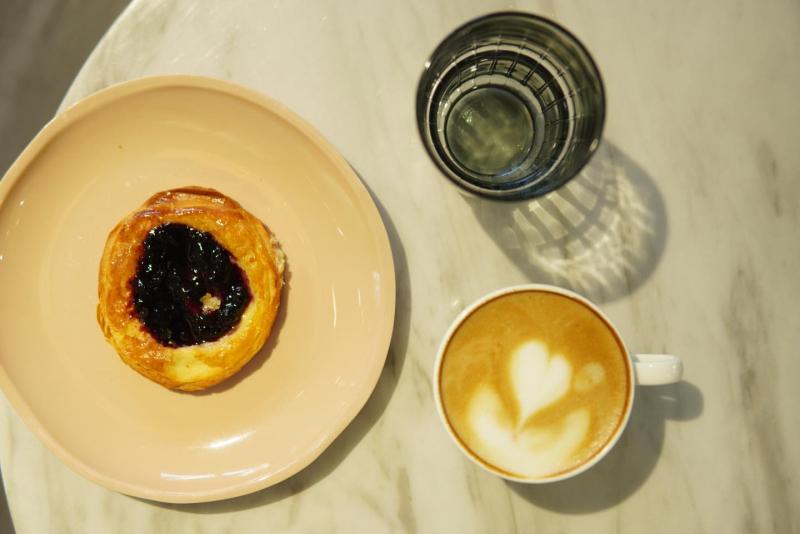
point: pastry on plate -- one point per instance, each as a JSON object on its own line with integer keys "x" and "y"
{"x": 189, "y": 288}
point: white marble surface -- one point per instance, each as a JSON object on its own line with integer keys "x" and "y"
{"x": 692, "y": 248}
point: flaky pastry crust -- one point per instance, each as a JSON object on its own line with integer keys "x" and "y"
{"x": 255, "y": 250}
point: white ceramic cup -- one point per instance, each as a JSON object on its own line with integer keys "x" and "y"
{"x": 643, "y": 370}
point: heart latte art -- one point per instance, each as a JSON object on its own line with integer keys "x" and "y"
{"x": 534, "y": 383}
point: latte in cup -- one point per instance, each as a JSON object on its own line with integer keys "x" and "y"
{"x": 534, "y": 384}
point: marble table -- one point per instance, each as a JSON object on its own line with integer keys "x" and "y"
{"x": 692, "y": 248}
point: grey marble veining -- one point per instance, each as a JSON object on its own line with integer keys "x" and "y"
{"x": 683, "y": 228}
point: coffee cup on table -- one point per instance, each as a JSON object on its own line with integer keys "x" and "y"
{"x": 535, "y": 384}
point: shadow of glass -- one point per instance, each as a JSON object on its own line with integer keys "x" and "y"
{"x": 363, "y": 422}
{"x": 601, "y": 234}
{"x": 630, "y": 462}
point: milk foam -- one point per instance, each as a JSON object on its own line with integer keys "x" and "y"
{"x": 538, "y": 379}
{"x": 591, "y": 375}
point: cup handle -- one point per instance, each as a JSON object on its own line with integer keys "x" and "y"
{"x": 657, "y": 369}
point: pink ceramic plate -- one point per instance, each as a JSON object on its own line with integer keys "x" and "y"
{"x": 102, "y": 158}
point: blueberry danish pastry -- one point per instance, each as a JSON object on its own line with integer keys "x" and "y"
{"x": 190, "y": 285}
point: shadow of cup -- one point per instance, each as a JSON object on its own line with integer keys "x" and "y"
{"x": 601, "y": 234}
{"x": 617, "y": 476}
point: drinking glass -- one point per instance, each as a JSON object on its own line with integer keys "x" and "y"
{"x": 510, "y": 105}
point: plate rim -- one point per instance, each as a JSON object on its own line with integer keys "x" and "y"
{"x": 107, "y": 95}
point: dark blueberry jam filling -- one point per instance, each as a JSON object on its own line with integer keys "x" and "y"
{"x": 187, "y": 288}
